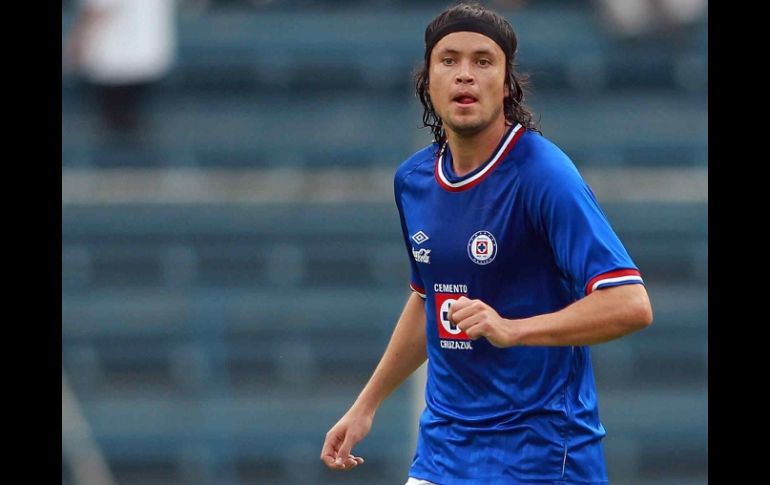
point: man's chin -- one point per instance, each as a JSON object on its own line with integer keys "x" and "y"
{"x": 467, "y": 128}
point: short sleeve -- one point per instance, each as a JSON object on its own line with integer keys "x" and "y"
{"x": 415, "y": 281}
{"x": 565, "y": 210}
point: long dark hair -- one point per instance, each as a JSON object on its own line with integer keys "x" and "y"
{"x": 513, "y": 104}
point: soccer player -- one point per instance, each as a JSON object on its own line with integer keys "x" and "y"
{"x": 515, "y": 271}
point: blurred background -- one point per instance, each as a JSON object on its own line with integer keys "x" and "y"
{"x": 232, "y": 264}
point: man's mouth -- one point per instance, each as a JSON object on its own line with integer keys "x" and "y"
{"x": 464, "y": 99}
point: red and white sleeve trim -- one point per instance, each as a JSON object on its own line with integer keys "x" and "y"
{"x": 613, "y": 278}
{"x": 417, "y": 289}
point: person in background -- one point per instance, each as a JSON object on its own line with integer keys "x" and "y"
{"x": 120, "y": 48}
{"x": 639, "y": 18}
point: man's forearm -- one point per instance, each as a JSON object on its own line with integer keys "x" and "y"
{"x": 602, "y": 316}
{"x": 403, "y": 355}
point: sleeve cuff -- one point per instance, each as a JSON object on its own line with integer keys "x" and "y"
{"x": 613, "y": 278}
{"x": 419, "y": 290}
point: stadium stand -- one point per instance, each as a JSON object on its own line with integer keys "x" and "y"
{"x": 217, "y": 342}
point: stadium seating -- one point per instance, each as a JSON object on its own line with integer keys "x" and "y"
{"x": 216, "y": 343}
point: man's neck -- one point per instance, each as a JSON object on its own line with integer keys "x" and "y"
{"x": 470, "y": 152}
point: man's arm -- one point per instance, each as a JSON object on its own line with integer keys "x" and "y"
{"x": 404, "y": 354}
{"x": 603, "y": 315}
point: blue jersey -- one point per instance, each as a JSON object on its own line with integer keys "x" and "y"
{"x": 525, "y": 234}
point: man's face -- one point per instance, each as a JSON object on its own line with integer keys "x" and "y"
{"x": 467, "y": 82}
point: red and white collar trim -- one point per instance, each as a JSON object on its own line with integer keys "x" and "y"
{"x": 443, "y": 180}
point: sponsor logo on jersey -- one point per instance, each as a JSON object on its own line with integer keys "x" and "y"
{"x": 456, "y": 344}
{"x": 482, "y": 247}
{"x": 422, "y": 255}
{"x": 450, "y": 288}
{"x": 452, "y": 337}
{"x": 420, "y": 237}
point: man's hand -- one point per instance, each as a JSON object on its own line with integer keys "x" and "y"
{"x": 349, "y": 430}
{"x": 477, "y": 319}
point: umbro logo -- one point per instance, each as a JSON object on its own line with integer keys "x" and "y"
{"x": 420, "y": 237}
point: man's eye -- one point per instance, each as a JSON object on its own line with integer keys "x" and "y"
{"x": 447, "y": 61}
{"x": 484, "y": 62}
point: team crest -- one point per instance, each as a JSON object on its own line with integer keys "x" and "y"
{"x": 482, "y": 247}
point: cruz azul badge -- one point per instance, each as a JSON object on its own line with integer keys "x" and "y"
{"x": 482, "y": 247}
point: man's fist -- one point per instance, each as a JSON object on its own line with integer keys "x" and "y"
{"x": 477, "y": 319}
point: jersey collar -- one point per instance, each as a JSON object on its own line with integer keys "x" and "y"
{"x": 454, "y": 184}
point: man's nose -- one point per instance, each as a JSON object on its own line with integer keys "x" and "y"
{"x": 464, "y": 75}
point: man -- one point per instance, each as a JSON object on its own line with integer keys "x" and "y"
{"x": 515, "y": 271}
